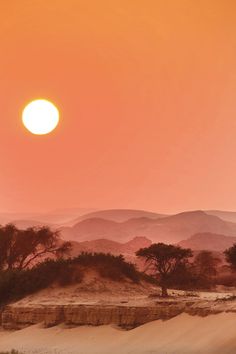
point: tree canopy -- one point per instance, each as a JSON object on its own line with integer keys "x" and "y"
{"x": 21, "y": 248}
{"x": 206, "y": 263}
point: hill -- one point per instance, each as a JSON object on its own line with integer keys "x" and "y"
{"x": 170, "y": 229}
{"x": 127, "y": 249}
{"x": 208, "y": 241}
{"x": 225, "y": 215}
{"x": 105, "y": 269}
{"x": 117, "y": 215}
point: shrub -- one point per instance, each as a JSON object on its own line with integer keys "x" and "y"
{"x": 108, "y": 265}
{"x": 15, "y": 284}
{"x": 230, "y": 256}
{"x": 183, "y": 278}
{"x": 186, "y": 277}
{"x": 226, "y": 279}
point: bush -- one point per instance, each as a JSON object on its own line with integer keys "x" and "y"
{"x": 226, "y": 279}
{"x": 185, "y": 277}
{"x": 15, "y": 284}
{"x": 108, "y": 265}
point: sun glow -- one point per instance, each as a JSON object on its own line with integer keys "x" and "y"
{"x": 40, "y": 117}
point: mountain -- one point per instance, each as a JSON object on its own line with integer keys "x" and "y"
{"x": 225, "y": 215}
{"x": 108, "y": 246}
{"x": 208, "y": 241}
{"x": 89, "y": 229}
{"x": 170, "y": 229}
{"x": 118, "y": 215}
{"x": 61, "y": 216}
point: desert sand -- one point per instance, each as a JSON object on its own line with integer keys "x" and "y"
{"x": 179, "y": 335}
{"x": 97, "y": 290}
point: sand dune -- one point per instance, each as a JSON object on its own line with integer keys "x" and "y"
{"x": 183, "y": 334}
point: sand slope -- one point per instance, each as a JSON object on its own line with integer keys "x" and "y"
{"x": 183, "y": 334}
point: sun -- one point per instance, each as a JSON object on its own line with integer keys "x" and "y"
{"x": 40, "y": 117}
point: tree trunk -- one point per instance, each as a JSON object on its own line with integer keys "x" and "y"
{"x": 163, "y": 284}
{"x": 164, "y": 292}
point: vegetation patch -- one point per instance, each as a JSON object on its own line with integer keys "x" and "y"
{"x": 18, "y": 283}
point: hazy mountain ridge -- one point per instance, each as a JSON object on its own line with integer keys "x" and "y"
{"x": 172, "y": 229}
{"x": 208, "y": 241}
{"x": 194, "y": 229}
{"x": 70, "y": 217}
{"x": 224, "y": 215}
{"x": 53, "y": 218}
{"x": 109, "y": 246}
{"x": 117, "y": 215}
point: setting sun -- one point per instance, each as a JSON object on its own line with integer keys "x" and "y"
{"x": 40, "y": 117}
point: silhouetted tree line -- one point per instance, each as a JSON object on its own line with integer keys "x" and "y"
{"x": 25, "y": 266}
{"x": 175, "y": 267}
{"x": 16, "y": 283}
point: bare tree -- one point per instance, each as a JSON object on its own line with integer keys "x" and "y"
{"x": 19, "y": 249}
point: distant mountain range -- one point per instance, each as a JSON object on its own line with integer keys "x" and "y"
{"x": 102, "y": 230}
{"x": 118, "y": 215}
{"x": 170, "y": 229}
{"x": 202, "y": 241}
{"x": 70, "y": 217}
{"x": 128, "y": 249}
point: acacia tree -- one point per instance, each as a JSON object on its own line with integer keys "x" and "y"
{"x": 165, "y": 259}
{"x": 19, "y": 249}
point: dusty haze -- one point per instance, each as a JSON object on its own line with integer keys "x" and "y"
{"x": 147, "y": 101}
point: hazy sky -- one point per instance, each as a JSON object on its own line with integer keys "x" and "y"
{"x": 147, "y": 94}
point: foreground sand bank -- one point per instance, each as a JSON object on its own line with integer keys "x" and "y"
{"x": 183, "y": 334}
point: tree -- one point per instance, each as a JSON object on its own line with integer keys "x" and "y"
{"x": 205, "y": 268}
{"x": 230, "y": 256}
{"x": 20, "y": 248}
{"x": 165, "y": 259}
{"x": 206, "y": 264}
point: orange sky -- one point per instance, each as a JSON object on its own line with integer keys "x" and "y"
{"x": 147, "y": 94}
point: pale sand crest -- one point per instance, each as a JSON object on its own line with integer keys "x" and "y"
{"x": 183, "y": 334}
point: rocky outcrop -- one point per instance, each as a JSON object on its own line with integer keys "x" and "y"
{"x": 18, "y": 317}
